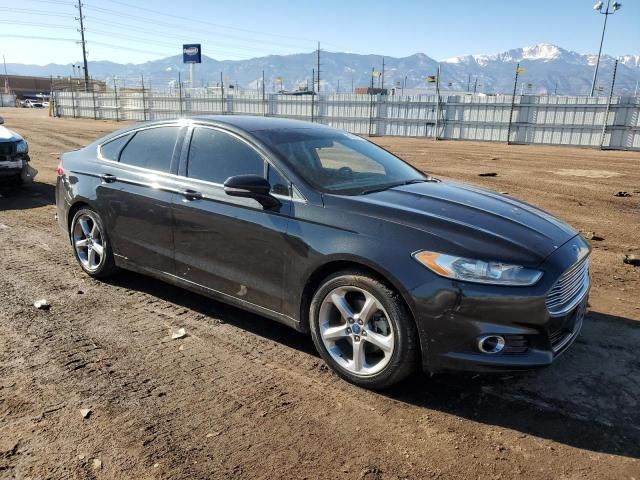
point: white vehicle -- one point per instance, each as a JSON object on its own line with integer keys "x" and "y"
{"x": 29, "y": 103}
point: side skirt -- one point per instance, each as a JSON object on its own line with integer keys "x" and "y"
{"x": 127, "y": 264}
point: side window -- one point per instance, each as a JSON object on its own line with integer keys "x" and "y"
{"x": 151, "y": 148}
{"x": 279, "y": 184}
{"x": 111, "y": 150}
{"x": 215, "y": 156}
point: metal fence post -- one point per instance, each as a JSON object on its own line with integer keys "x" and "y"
{"x": 606, "y": 113}
{"x": 73, "y": 100}
{"x": 115, "y": 92}
{"x": 180, "y": 92}
{"x": 221, "y": 94}
{"x": 93, "y": 97}
{"x": 144, "y": 107}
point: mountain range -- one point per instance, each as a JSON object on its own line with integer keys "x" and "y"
{"x": 547, "y": 69}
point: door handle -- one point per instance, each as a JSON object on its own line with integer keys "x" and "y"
{"x": 192, "y": 195}
{"x": 108, "y": 178}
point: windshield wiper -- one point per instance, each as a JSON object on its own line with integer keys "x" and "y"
{"x": 393, "y": 185}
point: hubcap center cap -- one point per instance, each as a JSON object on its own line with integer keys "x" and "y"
{"x": 356, "y": 328}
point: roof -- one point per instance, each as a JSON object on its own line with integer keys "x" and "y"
{"x": 255, "y": 123}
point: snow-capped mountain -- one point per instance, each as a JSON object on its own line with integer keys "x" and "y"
{"x": 547, "y": 69}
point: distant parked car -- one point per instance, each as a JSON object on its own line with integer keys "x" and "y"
{"x": 330, "y": 234}
{"x": 14, "y": 158}
{"x": 32, "y": 104}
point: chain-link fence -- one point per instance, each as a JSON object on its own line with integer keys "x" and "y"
{"x": 526, "y": 119}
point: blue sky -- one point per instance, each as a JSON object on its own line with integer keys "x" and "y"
{"x": 137, "y": 30}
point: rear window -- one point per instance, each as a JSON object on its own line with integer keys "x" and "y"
{"x": 151, "y": 148}
{"x": 111, "y": 150}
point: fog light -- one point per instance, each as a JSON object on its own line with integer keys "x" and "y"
{"x": 491, "y": 344}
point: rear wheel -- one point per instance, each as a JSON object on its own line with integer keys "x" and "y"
{"x": 362, "y": 329}
{"x": 91, "y": 245}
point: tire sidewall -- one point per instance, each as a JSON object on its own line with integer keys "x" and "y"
{"x": 403, "y": 357}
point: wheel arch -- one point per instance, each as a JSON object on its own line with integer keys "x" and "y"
{"x": 73, "y": 209}
{"x": 315, "y": 278}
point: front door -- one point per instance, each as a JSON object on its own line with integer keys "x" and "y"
{"x": 229, "y": 244}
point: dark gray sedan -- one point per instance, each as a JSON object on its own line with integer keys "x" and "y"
{"x": 385, "y": 266}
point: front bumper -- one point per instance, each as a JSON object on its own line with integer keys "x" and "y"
{"x": 12, "y": 166}
{"x": 452, "y": 316}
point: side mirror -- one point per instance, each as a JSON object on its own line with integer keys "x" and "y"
{"x": 251, "y": 186}
{"x": 1, "y": 120}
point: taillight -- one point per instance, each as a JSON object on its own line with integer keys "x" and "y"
{"x": 60, "y": 169}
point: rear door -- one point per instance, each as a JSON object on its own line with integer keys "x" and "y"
{"x": 137, "y": 188}
{"x": 229, "y": 244}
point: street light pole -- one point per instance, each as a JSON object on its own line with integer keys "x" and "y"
{"x": 598, "y": 7}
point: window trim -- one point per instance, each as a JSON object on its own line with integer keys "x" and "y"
{"x": 133, "y": 132}
{"x": 267, "y": 163}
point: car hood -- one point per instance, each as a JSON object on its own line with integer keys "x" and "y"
{"x": 465, "y": 220}
{"x": 7, "y": 135}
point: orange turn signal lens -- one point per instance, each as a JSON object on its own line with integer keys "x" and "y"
{"x": 430, "y": 259}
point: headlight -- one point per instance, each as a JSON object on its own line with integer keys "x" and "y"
{"x": 478, "y": 271}
{"x": 22, "y": 147}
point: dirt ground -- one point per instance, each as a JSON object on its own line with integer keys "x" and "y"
{"x": 244, "y": 397}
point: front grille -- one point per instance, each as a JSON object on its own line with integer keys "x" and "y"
{"x": 562, "y": 330}
{"x": 6, "y": 149}
{"x": 569, "y": 289}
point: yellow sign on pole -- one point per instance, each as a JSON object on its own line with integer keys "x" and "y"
{"x": 431, "y": 79}
{"x": 519, "y": 70}
{"x": 375, "y": 74}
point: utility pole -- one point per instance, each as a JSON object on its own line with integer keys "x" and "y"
{"x": 318, "y": 72}
{"x": 8, "y": 88}
{"x": 84, "y": 47}
{"x": 468, "y": 82}
{"x": 382, "y": 79}
{"x": 513, "y": 102}
{"x": 475, "y": 86}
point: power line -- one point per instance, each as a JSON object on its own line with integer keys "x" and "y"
{"x": 155, "y": 33}
{"x": 172, "y": 15}
{"x": 172, "y": 25}
{"x": 35, "y": 12}
{"x": 37, "y": 37}
{"x": 37, "y": 24}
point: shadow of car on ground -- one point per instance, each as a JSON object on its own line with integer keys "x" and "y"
{"x": 587, "y": 399}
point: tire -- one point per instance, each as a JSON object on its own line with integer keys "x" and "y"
{"x": 374, "y": 319}
{"x": 87, "y": 234}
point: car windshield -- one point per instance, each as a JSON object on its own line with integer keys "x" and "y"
{"x": 338, "y": 162}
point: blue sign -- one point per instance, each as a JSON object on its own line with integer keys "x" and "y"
{"x": 191, "y": 53}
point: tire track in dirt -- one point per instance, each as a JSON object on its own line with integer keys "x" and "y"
{"x": 242, "y": 397}
{"x": 111, "y": 346}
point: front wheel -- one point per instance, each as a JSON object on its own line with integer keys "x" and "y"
{"x": 91, "y": 245}
{"x": 362, "y": 329}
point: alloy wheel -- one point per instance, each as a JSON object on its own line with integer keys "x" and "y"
{"x": 88, "y": 242}
{"x": 356, "y": 330}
